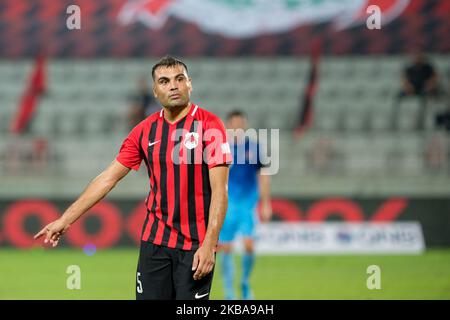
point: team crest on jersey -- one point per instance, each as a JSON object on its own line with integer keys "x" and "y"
{"x": 191, "y": 140}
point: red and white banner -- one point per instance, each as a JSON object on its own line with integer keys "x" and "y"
{"x": 249, "y": 18}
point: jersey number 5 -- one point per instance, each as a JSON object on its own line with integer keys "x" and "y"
{"x": 139, "y": 286}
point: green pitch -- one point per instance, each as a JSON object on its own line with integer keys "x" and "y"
{"x": 110, "y": 274}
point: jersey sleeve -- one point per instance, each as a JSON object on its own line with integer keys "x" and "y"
{"x": 130, "y": 154}
{"x": 218, "y": 150}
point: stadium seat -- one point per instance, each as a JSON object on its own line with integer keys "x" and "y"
{"x": 355, "y": 117}
{"x": 409, "y": 114}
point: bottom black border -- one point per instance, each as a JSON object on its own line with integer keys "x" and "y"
{"x": 217, "y": 309}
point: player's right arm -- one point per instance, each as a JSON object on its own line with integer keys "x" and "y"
{"x": 97, "y": 189}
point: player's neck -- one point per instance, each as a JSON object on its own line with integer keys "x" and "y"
{"x": 174, "y": 114}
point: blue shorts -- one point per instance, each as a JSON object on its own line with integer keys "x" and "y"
{"x": 241, "y": 218}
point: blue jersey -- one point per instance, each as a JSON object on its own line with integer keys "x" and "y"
{"x": 243, "y": 176}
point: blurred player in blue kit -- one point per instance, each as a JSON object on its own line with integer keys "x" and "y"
{"x": 246, "y": 186}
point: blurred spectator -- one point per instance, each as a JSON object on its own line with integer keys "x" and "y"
{"x": 443, "y": 119}
{"x": 24, "y": 155}
{"x": 419, "y": 79}
{"x": 323, "y": 157}
{"x": 143, "y": 103}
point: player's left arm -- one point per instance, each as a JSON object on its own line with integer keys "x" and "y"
{"x": 264, "y": 187}
{"x": 266, "y": 202}
{"x": 204, "y": 258}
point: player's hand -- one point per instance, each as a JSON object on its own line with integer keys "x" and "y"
{"x": 266, "y": 211}
{"x": 203, "y": 261}
{"x": 53, "y": 232}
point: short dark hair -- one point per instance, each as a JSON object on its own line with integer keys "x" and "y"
{"x": 168, "y": 61}
{"x": 236, "y": 113}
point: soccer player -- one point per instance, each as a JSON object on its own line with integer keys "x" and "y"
{"x": 187, "y": 155}
{"x": 246, "y": 186}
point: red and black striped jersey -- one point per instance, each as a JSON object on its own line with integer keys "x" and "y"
{"x": 178, "y": 157}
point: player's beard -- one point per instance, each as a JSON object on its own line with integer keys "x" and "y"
{"x": 177, "y": 106}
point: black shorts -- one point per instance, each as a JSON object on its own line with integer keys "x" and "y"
{"x": 165, "y": 274}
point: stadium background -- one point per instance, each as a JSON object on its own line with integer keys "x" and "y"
{"x": 349, "y": 164}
